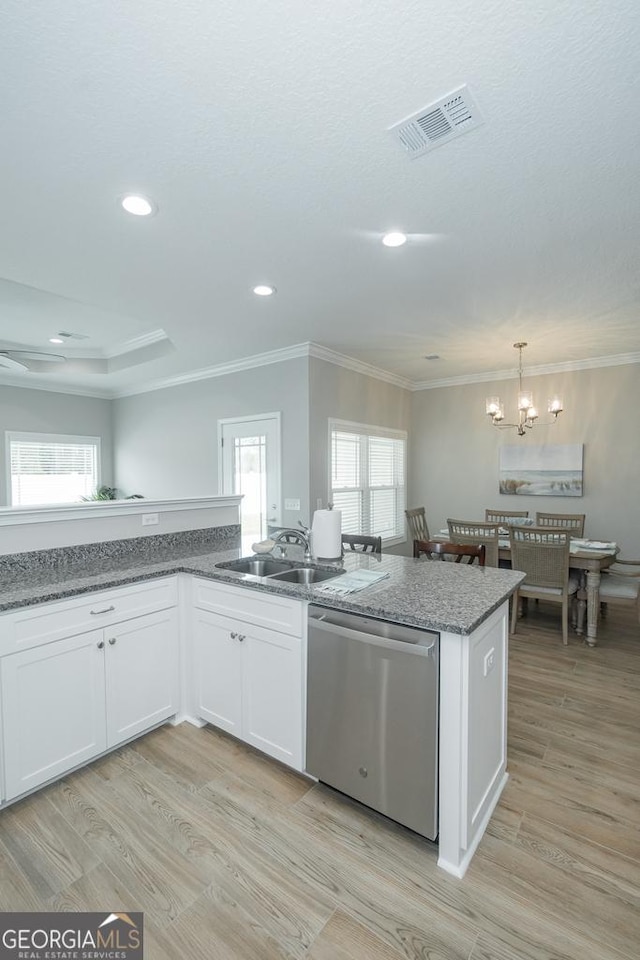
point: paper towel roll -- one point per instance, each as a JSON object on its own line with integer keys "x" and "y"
{"x": 326, "y": 534}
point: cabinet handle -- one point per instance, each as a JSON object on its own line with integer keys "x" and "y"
{"x": 241, "y": 637}
{"x": 233, "y": 635}
{"x": 100, "y": 644}
{"x": 94, "y": 613}
{"x": 112, "y": 641}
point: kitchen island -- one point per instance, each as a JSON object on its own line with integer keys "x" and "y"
{"x": 466, "y": 606}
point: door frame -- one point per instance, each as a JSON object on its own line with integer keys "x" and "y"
{"x": 277, "y": 480}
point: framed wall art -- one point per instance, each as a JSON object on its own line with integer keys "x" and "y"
{"x": 547, "y": 470}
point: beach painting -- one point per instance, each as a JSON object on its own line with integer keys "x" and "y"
{"x": 548, "y": 470}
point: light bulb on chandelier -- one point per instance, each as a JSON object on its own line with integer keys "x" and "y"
{"x": 527, "y": 412}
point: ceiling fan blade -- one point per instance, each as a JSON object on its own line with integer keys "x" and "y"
{"x": 8, "y": 363}
{"x": 33, "y": 355}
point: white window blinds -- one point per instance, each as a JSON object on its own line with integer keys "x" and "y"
{"x": 48, "y": 468}
{"x": 368, "y": 479}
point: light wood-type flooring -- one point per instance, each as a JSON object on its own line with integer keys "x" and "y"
{"x": 233, "y": 857}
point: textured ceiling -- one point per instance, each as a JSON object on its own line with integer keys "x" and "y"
{"x": 260, "y": 130}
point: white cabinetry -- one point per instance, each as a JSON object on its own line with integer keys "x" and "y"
{"x": 248, "y": 677}
{"x": 67, "y": 700}
{"x": 53, "y": 704}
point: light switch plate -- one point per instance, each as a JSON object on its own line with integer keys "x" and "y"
{"x": 149, "y": 519}
{"x": 291, "y": 504}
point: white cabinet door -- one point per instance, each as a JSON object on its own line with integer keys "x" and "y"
{"x": 272, "y": 694}
{"x": 248, "y": 682}
{"x": 217, "y": 671}
{"x": 142, "y": 678}
{"x": 53, "y": 710}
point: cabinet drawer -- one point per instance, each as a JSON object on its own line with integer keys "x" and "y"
{"x": 43, "y": 623}
{"x": 252, "y": 606}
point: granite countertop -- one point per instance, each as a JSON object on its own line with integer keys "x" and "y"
{"x": 439, "y": 596}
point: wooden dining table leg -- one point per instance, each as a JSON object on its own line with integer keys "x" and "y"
{"x": 582, "y": 602}
{"x": 593, "y": 603}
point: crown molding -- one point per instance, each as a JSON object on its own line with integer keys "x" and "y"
{"x": 569, "y": 366}
{"x": 358, "y": 366}
{"x": 72, "y": 389}
{"x": 135, "y": 343}
{"x": 220, "y": 370}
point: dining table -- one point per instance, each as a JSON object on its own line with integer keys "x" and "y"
{"x": 590, "y": 557}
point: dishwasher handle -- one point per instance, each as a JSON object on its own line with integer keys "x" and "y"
{"x": 420, "y": 648}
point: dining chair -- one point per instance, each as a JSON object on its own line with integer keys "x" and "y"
{"x": 361, "y": 543}
{"x": 476, "y": 532}
{"x": 620, "y": 583}
{"x": 503, "y": 516}
{"x": 567, "y": 521}
{"x": 543, "y": 554}
{"x": 418, "y": 528}
{"x": 460, "y": 552}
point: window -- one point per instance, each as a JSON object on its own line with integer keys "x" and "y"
{"x": 368, "y": 466}
{"x": 49, "y": 468}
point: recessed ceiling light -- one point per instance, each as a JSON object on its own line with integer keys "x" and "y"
{"x": 55, "y": 340}
{"x": 394, "y": 239}
{"x": 138, "y": 205}
{"x": 264, "y": 290}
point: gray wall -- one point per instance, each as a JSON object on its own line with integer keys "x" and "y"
{"x": 340, "y": 393}
{"x": 42, "y": 411}
{"x": 454, "y": 450}
{"x": 167, "y": 439}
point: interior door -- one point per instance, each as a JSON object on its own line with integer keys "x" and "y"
{"x": 250, "y": 466}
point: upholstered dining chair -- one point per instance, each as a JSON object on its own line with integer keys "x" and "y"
{"x": 620, "y": 583}
{"x": 417, "y": 521}
{"x": 566, "y": 521}
{"x": 362, "y": 543}
{"x": 543, "y": 554}
{"x": 458, "y": 552}
{"x": 504, "y": 517}
{"x": 476, "y": 532}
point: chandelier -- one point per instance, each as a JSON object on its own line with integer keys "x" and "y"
{"x": 527, "y": 413}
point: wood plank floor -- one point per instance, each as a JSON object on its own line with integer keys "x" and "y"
{"x": 233, "y": 857}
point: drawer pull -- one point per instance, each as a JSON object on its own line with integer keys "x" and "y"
{"x": 94, "y": 613}
{"x": 112, "y": 641}
{"x": 100, "y": 644}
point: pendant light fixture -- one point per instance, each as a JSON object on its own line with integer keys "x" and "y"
{"x": 527, "y": 412}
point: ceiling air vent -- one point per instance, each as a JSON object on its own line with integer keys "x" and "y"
{"x": 438, "y": 123}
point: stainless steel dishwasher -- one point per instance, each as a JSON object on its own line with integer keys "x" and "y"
{"x": 372, "y": 714}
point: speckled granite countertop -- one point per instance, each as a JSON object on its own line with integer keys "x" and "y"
{"x": 438, "y": 596}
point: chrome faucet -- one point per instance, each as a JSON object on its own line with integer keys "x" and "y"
{"x": 301, "y": 535}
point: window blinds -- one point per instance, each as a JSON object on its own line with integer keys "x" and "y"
{"x": 47, "y": 471}
{"x": 368, "y": 480}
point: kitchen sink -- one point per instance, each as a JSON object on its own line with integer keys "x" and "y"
{"x": 257, "y": 566}
{"x": 305, "y": 575}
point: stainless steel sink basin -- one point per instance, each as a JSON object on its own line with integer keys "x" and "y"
{"x": 257, "y": 566}
{"x": 305, "y": 575}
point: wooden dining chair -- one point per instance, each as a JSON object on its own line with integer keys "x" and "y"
{"x": 460, "y": 552}
{"x": 361, "y": 543}
{"x": 504, "y": 517}
{"x": 566, "y": 521}
{"x": 418, "y": 529}
{"x": 543, "y": 554}
{"x": 476, "y": 532}
{"x": 620, "y": 583}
